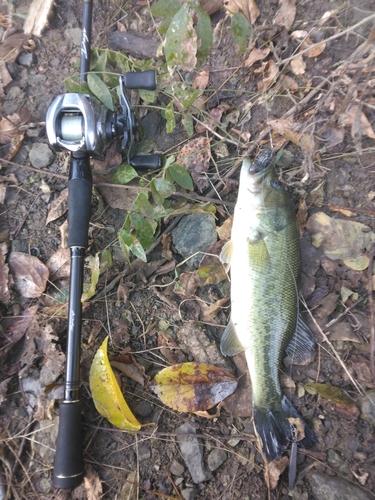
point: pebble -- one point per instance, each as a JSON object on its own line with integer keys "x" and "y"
{"x": 194, "y": 233}
{"x": 41, "y": 155}
{"x": 216, "y": 458}
{"x": 26, "y": 59}
{"x": 144, "y": 452}
{"x": 74, "y": 35}
{"x": 176, "y": 468}
{"x": 367, "y": 407}
{"x": 334, "y": 488}
{"x": 192, "y": 452}
{"x": 333, "y": 458}
{"x": 189, "y": 493}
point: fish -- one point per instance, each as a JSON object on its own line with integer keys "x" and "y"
{"x": 263, "y": 255}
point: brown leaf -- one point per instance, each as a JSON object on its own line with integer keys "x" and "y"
{"x": 270, "y": 72}
{"x": 201, "y": 80}
{"x": 92, "y": 483}
{"x": 211, "y": 268}
{"x": 131, "y": 371}
{"x": 130, "y": 488}
{"x": 20, "y": 325}
{"x": 286, "y": 14}
{"x": 343, "y": 405}
{"x": 275, "y": 469}
{"x": 59, "y": 264}
{"x": 195, "y": 156}
{"x": 5, "y": 77}
{"x": 169, "y": 349}
{"x": 359, "y": 121}
{"x": 256, "y": 55}
{"x": 11, "y": 47}
{"x": 11, "y": 135}
{"x": 58, "y": 207}
{"x": 298, "y": 65}
{"x": 224, "y": 231}
{"x": 210, "y": 312}
{"x": 166, "y": 242}
{"x": 301, "y": 37}
{"x": 187, "y": 284}
{"x": 64, "y": 233}
{"x": 290, "y": 131}
{"x": 30, "y": 274}
{"x": 247, "y": 7}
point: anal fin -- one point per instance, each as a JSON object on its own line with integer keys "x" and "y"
{"x": 302, "y": 343}
{"x": 230, "y": 345}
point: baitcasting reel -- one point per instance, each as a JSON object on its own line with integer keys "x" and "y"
{"x": 79, "y": 122}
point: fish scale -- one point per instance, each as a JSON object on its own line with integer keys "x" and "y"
{"x": 264, "y": 259}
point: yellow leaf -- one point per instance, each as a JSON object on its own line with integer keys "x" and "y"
{"x": 106, "y": 392}
{"x": 343, "y": 404}
{"x": 341, "y": 239}
{"x": 192, "y": 387}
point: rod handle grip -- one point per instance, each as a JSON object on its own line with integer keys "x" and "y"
{"x": 140, "y": 79}
{"x": 68, "y": 467}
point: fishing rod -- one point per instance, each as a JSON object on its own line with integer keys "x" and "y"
{"x": 79, "y": 123}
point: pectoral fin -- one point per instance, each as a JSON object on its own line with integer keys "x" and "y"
{"x": 302, "y": 344}
{"x": 230, "y": 345}
{"x": 226, "y": 254}
{"x": 258, "y": 252}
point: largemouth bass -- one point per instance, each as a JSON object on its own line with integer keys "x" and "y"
{"x": 264, "y": 259}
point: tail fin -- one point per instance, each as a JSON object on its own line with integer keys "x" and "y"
{"x": 276, "y": 432}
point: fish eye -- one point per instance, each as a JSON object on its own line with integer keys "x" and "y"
{"x": 275, "y": 184}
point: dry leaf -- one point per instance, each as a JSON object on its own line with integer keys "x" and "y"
{"x": 11, "y": 135}
{"x": 247, "y": 7}
{"x": 58, "y": 207}
{"x": 59, "y": 264}
{"x": 210, "y": 312}
{"x": 5, "y": 77}
{"x": 301, "y": 37}
{"x": 201, "y": 80}
{"x": 275, "y": 469}
{"x": 30, "y": 274}
{"x": 64, "y": 233}
{"x": 129, "y": 490}
{"x": 290, "y": 131}
{"x": 256, "y": 55}
{"x": 286, "y": 14}
{"x": 191, "y": 387}
{"x": 92, "y": 483}
{"x": 169, "y": 349}
{"x": 286, "y": 82}
{"x": 130, "y": 370}
{"x": 195, "y": 156}
{"x": 270, "y": 71}
{"x": 341, "y": 239}
{"x": 342, "y": 403}
{"x": 298, "y": 65}
{"x": 20, "y": 325}
{"x": 37, "y": 17}
{"x": 224, "y": 231}
{"x": 355, "y": 116}
{"x": 211, "y": 268}
{"x": 11, "y": 47}
{"x": 187, "y": 284}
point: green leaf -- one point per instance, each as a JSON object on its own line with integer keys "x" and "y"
{"x": 165, "y": 8}
{"x": 123, "y": 174}
{"x": 137, "y": 249}
{"x": 143, "y": 229}
{"x": 170, "y": 117}
{"x": 105, "y": 260}
{"x": 161, "y": 189}
{"x": 181, "y": 40}
{"x": 143, "y": 147}
{"x": 204, "y": 32}
{"x": 241, "y": 31}
{"x": 188, "y": 123}
{"x": 101, "y": 63}
{"x": 181, "y": 176}
{"x": 186, "y": 96}
{"x": 147, "y": 95}
{"x": 125, "y": 239}
{"x": 100, "y": 90}
{"x": 74, "y": 85}
{"x": 91, "y": 289}
{"x": 143, "y": 206}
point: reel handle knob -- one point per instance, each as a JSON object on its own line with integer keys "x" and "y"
{"x": 146, "y": 161}
{"x": 140, "y": 80}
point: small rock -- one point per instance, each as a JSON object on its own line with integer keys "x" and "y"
{"x": 40, "y": 155}
{"x": 334, "y": 488}
{"x": 194, "y": 233}
{"x": 233, "y": 441}
{"x": 144, "y": 409}
{"x": 192, "y": 452}
{"x": 367, "y": 407}
{"x": 189, "y": 493}
{"x": 176, "y": 468}
{"x": 144, "y": 452}
{"x": 74, "y": 35}
{"x": 216, "y": 458}
{"x": 26, "y": 59}
{"x": 333, "y": 458}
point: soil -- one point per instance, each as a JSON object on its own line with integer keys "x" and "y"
{"x": 139, "y": 316}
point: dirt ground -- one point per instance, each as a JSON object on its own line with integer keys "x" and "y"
{"x": 333, "y": 105}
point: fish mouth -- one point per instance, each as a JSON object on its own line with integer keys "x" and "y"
{"x": 261, "y": 163}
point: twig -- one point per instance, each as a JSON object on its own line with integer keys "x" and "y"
{"x": 344, "y": 313}
{"x": 371, "y": 306}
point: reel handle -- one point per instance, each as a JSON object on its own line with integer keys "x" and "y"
{"x": 140, "y": 80}
{"x": 146, "y": 161}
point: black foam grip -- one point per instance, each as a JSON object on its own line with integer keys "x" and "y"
{"x": 140, "y": 80}
{"x": 146, "y": 161}
{"x": 79, "y": 206}
{"x": 68, "y": 468}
